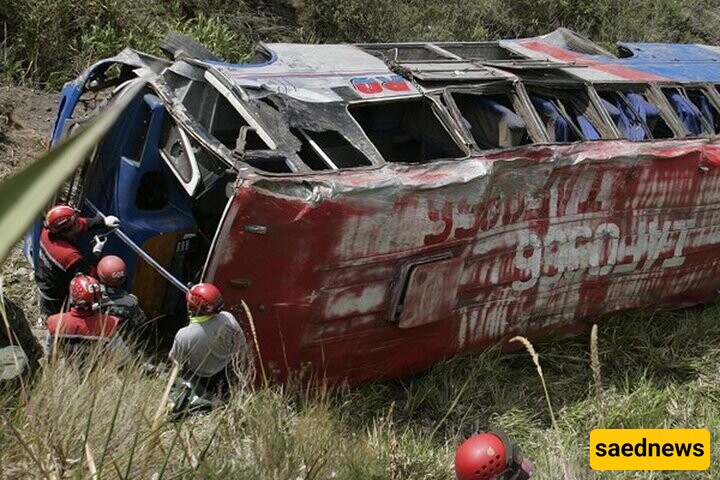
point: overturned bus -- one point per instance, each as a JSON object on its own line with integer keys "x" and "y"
{"x": 380, "y": 207}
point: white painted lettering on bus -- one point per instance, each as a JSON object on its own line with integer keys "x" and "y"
{"x": 600, "y": 251}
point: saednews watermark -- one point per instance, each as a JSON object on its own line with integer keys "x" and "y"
{"x": 667, "y": 449}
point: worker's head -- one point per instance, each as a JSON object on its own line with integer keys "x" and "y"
{"x": 204, "y": 299}
{"x": 491, "y": 456}
{"x": 61, "y": 219}
{"x": 112, "y": 271}
{"x": 85, "y": 293}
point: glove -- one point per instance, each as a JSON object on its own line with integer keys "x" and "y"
{"x": 98, "y": 244}
{"x": 112, "y": 221}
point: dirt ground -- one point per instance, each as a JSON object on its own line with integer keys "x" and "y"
{"x": 26, "y": 119}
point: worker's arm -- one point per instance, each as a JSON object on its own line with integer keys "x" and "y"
{"x": 110, "y": 222}
{"x": 84, "y": 265}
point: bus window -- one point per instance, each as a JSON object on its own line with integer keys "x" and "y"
{"x": 635, "y": 116}
{"x": 492, "y": 120}
{"x": 565, "y": 115}
{"x": 406, "y": 131}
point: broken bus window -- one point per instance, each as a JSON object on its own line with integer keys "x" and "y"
{"x": 695, "y": 111}
{"x": 708, "y": 110}
{"x": 565, "y": 115}
{"x": 406, "y": 131}
{"x": 635, "y": 115}
{"x": 217, "y": 115}
{"x": 328, "y": 150}
{"x": 492, "y": 120}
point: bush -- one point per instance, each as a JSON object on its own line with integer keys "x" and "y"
{"x": 84, "y": 31}
{"x": 604, "y": 21}
{"x": 47, "y": 42}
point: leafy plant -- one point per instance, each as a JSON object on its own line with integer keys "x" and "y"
{"x": 26, "y": 193}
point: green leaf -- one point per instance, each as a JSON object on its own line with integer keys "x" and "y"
{"x": 24, "y": 195}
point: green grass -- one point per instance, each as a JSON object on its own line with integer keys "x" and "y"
{"x": 657, "y": 371}
{"x": 83, "y": 31}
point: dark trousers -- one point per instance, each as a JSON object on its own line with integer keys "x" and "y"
{"x": 217, "y": 384}
{"x": 50, "y": 306}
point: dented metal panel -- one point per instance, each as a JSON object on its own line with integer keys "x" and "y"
{"x": 546, "y": 236}
{"x": 430, "y": 293}
{"x": 312, "y": 73}
{"x": 454, "y": 70}
{"x": 596, "y": 70}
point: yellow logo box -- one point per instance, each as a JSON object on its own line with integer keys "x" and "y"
{"x": 668, "y": 449}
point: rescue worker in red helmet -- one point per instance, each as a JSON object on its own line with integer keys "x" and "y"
{"x": 211, "y": 341}
{"x": 83, "y": 325}
{"x": 491, "y": 456}
{"x": 59, "y": 258}
{"x": 117, "y": 301}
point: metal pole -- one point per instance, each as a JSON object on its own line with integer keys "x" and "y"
{"x": 151, "y": 261}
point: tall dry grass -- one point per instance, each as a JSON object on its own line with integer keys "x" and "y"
{"x": 102, "y": 423}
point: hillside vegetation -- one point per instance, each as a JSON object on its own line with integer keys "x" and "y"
{"x": 46, "y": 42}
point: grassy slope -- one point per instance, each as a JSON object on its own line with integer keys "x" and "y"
{"x": 656, "y": 371}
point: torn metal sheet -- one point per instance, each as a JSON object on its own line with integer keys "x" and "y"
{"x": 310, "y": 72}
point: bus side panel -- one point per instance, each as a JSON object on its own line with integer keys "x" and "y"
{"x": 335, "y": 268}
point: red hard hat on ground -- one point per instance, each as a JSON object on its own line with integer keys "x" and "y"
{"x": 481, "y": 457}
{"x": 204, "y": 299}
{"x": 60, "y": 218}
{"x": 84, "y": 292}
{"x": 112, "y": 271}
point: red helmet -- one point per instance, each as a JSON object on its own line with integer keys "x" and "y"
{"x": 60, "y": 218}
{"x": 112, "y": 271}
{"x": 203, "y": 299}
{"x": 84, "y": 292}
{"x": 481, "y": 457}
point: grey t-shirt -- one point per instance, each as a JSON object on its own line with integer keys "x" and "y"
{"x": 207, "y": 347}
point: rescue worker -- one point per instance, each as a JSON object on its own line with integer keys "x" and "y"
{"x": 59, "y": 258}
{"x": 204, "y": 348}
{"x": 116, "y": 301}
{"x": 83, "y": 325}
{"x": 491, "y": 456}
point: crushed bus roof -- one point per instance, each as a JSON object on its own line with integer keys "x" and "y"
{"x": 323, "y": 73}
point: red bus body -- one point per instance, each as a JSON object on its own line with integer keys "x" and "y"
{"x": 524, "y": 242}
{"x": 550, "y": 183}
